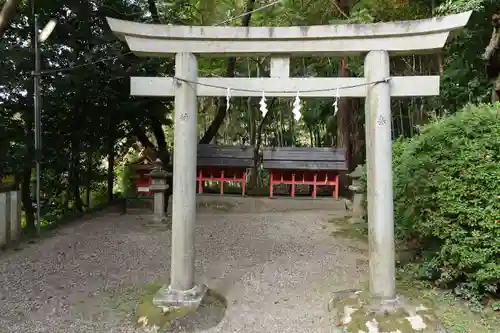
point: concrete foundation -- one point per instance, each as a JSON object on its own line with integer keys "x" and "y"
{"x": 169, "y": 299}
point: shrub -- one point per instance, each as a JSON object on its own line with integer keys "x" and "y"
{"x": 447, "y": 199}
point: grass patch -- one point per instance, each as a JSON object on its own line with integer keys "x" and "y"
{"x": 454, "y": 313}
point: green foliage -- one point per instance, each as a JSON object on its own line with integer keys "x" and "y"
{"x": 447, "y": 199}
{"x": 124, "y": 175}
{"x": 459, "y": 6}
{"x": 464, "y": 79}
{"x": 99, "y": 195}
{"x": 370, "y": 11}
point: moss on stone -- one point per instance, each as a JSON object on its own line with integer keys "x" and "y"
{"x": 389, "y": 323}
{"x": 149, "y": 315}
{"x": 356, "y": 311}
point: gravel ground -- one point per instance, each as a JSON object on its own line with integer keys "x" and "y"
{"x": 277, "y": 271}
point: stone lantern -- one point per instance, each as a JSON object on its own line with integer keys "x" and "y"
{"x": 358, "y": 200}
{"x": 158, "y": 187}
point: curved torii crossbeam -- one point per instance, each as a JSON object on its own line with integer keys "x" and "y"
{"x": 405, "y": 37}
{"x": 377, "y": 40}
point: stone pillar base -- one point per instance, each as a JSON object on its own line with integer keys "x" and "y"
{"x": 169, "y": 299}
{"x": 160, "y": 220}
{"x": 158, "y": 224}
{"x": 358, "y": 312}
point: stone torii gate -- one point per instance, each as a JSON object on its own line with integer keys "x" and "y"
{"x": 378, "y": 41}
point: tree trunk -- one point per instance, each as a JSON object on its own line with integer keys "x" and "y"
{"x": 111, "y": 165}
{"x": 344, "y": 114}
{"x": 26, "y": 183}
{"x": 75, "y": 159}
{"x": 253, "y": 142}
{"x": 357, "y": 134}
{"x": 495, "y": 94}
{"x": 89, "y": 182}
{"x": 492, "y": 56}
{"x": 281, "y": 129}
{"x": 75, "y": 173}
{"x": 28, "y": 158}
{"x": 401, "y": 121}
{"x": 410, "y": 110}
{"x": 258, "y": 141}
{"x": 154, "y": 11}
{"x": 67, "y": 195}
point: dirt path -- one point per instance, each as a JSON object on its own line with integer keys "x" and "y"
{"x": 277, "y": 271}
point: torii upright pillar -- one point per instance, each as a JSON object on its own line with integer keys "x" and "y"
{"x": 379, "y": 153}
{"x": 183, "y": 291}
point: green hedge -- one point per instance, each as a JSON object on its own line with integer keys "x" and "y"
{"x": 447, "y": 199}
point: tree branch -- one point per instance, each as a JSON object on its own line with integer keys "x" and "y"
{"x": 143, "y": 138}
{"x": 339, "y": 8}
{"x": 160, "y": 141}
{"x": 212, "y": 130}
{"x": 492, "y": 56}
{"x": 259, "y": 129}
{"x": 492, "y": 46}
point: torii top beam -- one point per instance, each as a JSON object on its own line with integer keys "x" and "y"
{"x": 403, "y": 37}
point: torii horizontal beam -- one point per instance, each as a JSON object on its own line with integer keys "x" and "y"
{"x": 404, "y": 37}
{"x": 401, "y": 86}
